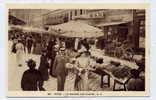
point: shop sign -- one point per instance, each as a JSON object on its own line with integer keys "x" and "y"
{"x": 121, "y": 18}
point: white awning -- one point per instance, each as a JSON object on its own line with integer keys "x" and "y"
{"x": 111, "y": 23}
{"x": 78, "y": 29}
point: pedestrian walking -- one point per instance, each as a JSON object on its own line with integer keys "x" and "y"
{"x": 24, "y": 42}
{"x": 82, "y": 63}
{"x": 29, "y": 44}
{"x": 59, "y": 69}
{"x": 44, "y": 66}
{"x": 53, "y": 55}
{"x": 19, "y": 53}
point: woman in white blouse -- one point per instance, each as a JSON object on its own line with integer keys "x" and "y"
{"x": 82, "y": 64}
{"x": 20, "y": 53}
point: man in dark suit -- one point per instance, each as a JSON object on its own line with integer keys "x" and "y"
{"x": 29, "y": 44}
{"x": 59, "y": 69}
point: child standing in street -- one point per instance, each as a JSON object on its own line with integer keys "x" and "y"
{"x": 31, "y": 79}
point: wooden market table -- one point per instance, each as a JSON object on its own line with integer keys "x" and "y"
{"x": 109, "y": 75}
{"x": 98, "y": 54}
{"x": 104, "y": 72}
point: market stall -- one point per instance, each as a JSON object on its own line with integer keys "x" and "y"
{"x": 77, "y": 29}
{"x": 118, "y": 70}
{"x": 114, "y": 69}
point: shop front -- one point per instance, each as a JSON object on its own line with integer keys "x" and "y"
{"x": 117, "y": 26}
{"x": 118, "y": 29}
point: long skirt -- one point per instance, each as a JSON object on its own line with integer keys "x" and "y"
{"x": 44, "y": 73}
{"x": 29, "y": 48}
{"x": 20, "y": 57}
{"x": 82, "y": 82}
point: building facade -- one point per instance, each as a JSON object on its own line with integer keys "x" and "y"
{"x": 32, "y": 17}
{"x": 124, "y": 23}
{"x": 61, "y": 16}
{"x": 127, "y": 24}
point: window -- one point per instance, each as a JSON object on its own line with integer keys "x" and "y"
{"x": 142, "y": 22}
{"x": 91, "y": 15}
{"x": 75, "y": 12}
{"x": 95, "y": 14}
{"x": 142, "y": 28}
{"x": 81, "y": 12}
{"x": 71, "y": 15}
{"x": 66, "y": 17}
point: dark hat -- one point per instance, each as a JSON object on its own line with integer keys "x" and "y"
{"x": 31, "y": 63}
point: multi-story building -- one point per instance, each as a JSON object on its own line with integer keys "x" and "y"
{"x": 32, "y": 17}
{"x": 64, "y": 15}
{"x": 61, "y": 15}
{"x": 125, "y": 24}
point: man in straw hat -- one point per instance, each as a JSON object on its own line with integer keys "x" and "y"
{"x": 59, "y": 69}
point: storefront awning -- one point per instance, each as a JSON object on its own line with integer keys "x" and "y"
{"x": 111, "y": 23}
{"x": 27, "y": 29}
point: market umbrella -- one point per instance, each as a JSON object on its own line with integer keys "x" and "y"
{"x": 34, "y": 29}
{"x": 27, "y": 29}
{"x": 15, "y": 27}
{"x": 78, "y": 29}
{"x": 53, "y": 32}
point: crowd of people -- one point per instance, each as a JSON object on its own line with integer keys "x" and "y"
{"x": 20, "y": 45}
{"x": 56, "y": 60}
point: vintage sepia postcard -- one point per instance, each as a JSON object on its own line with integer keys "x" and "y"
{"x": 77, "y": 50}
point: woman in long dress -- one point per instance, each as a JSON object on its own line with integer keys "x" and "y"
{"x": 44, "y": 66}
{"x": 13, "y": 45}
{"x": 19, "y": 53}
{"x": 81, "y": 82}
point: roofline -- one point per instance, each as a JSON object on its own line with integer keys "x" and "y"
{"x": 54, "y": 11}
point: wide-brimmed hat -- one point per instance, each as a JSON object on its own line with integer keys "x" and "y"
{"x": 62, "y": 49}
